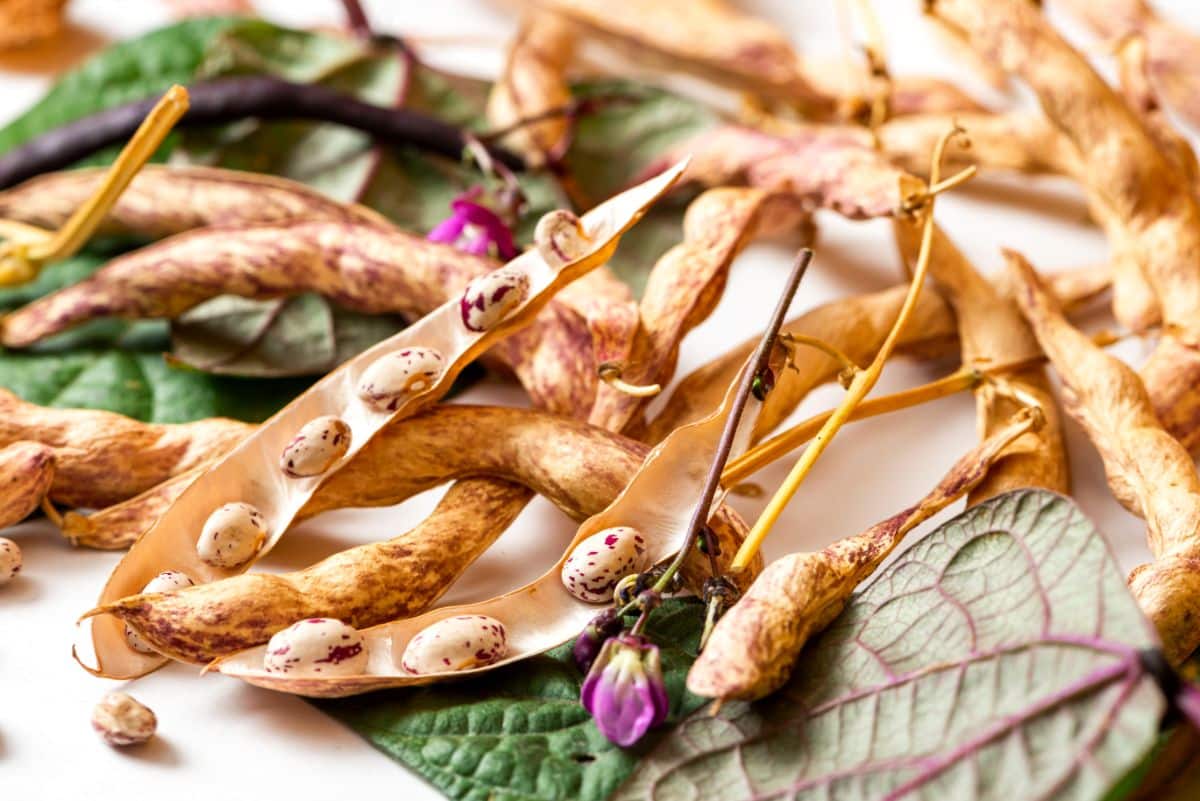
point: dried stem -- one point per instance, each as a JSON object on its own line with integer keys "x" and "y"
{"x": 610, "y": 373}
{"x": 862, "y": 384}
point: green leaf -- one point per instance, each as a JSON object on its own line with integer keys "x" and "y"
{"x": 519, "y": 733}
{"x": 995, "y": 659}
{"x": 131, "y": 70}
{"x": 301, "y": 335}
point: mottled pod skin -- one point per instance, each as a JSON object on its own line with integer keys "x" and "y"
{"x": 393, "y": 378}
{"x": 317, "y": 645}
{"x": 317, "y": 446}
{"x": 752, "y": 649}
{"x": 10, "y": 560}
{"x": 461, "y": 642}
{"x": 1148, "y": 470}
{"x": 26, "y": 475}
{"x": 232, "y": 535}
{"x": 164, "y": 582}
{"x": 593, "y": 569}
{"x": 578, "y": 467}
{"x": 490, "y": 298}
{"x": 120, "y": 720}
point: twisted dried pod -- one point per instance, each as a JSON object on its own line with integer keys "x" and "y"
{"x": 106, "y": 458}
{"x": 532, "y": 83}
{"x": 709, "y": 38}
{"x": 1134, "y": 72}
{"x": 659, "y": 502}
{"x": 992, "y": 332}
{"x": 578, "y": 467}
{"x": 856, "y": 326}
{"x": 1148, "y": 470}
{"x": 390, "y": 381}
{"x": 26, "y": 472}
{"x": 162, "y": 201}
{"x": 1151, "y": 215}
{"x": 752, "y": 649}
{"x": 116, "y": 527}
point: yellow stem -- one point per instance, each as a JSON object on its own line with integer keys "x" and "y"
{"x": 849, "y": 367}
{"x": 610, "y": 373}
{"x": 778, "y": 446}
{"x": 80, "y": 226}
{"x": 863, "y": 382}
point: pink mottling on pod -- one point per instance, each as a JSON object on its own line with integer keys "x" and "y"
{"x": 165, "y": 581}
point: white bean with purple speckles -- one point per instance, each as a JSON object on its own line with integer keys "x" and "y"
{"x": 321, "y": 645}
{"x": 456, "y": 643}
{"x": 164, "y": 582}
{"x": 10, "y": 560}
{"x": 391, "y": 379}
{"x": 320, "y": 443}
{"x": 231, "y": 535}
{"x": 593, "y": 569}
{"x": 560, "y": 238}
{"x": 490, "y": 298}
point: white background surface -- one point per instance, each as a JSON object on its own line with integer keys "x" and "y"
{"x": 218, "y": 736}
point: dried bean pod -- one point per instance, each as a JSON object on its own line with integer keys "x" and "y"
{"x": 579, "y": 468}
{"x": 752, "y": 649}
{"x": 1149, "y": 471}
{"x": 316, "y": 447}
{"x": 164, "y": 582}
{"x": 26, "y": 475}
{"x": 533, "y": 82}
{"x": 247, "y": 475}
{"x": 659, "y": 501}
{"x": 162, "y": 201}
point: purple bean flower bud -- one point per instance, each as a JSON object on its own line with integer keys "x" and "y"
{"x": 597, "y": 632}
{"x": 624, "y": 691}
{"x": 475, "y": 228}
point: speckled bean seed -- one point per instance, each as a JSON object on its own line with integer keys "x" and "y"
{"x": 164, "y": 582}
{"x": 10, "y": 560}
{"x": 317, "y": 645}
{"x": 316, "y": 447}
{"x": 232, "y": 535}
{"x": 560, "y": 238}
{"x": 391, "y": 379}
{"x": 456, "y": 643}
{"x": 121, "y": 720}
{"x": 593, "y": 569}
{"x": 490, "y": 298}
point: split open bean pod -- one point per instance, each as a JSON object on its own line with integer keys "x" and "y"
{"x": 391, "y": 380}
{"x": 651, "y": 517}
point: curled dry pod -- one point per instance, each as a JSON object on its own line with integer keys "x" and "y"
{"x": 456, "y": 643}
{"x": 392, "y": 379}
{"x": 231, "y": 535}
{"x": 534, "y": 82}
{"x": 26, "y": 475}
{"x": 10, "y": 560}
{"x": 1148, "y": 470}
{"x": 660, "y": 502}
{"x": 121, "y": 720}
{"x": 752, "y": 649}
{"x": 250, "y": 473}
{"x": 593, "y": 569}
{"x": 164, "y": 582}
{"x": 316, "y": 447}
{"x": 161, "y": 200}
{"x": 316, "y": 645}
{"x": 490, "y": 298}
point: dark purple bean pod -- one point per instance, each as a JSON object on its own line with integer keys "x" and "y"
{"x": 230, "y": 99}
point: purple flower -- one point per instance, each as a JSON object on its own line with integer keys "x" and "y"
{"x": 624, "y": 690}
{"x": 593, "y": 637}
{"x": 475, "y": 228}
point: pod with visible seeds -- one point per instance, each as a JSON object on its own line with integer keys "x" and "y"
{"x": 316, "y": 447}
{"x": 560, "y": 237}
{"x": 461, "y": 642}
{"x": 600, "y": 561}
{"x": 317, "y": 645}
{"x": 164, "y": 582}
{"x": 490, "y": 298}
{"x": 231, "y": 535}
{"x": 121, "y": 720}
{"x": 391, "y": 379}
{"x": 10, "y": 560}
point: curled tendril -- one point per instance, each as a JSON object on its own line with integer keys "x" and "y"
{"x": 610, "y": 373}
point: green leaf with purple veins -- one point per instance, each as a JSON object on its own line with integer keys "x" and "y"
{"x": 997, "y": 658}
